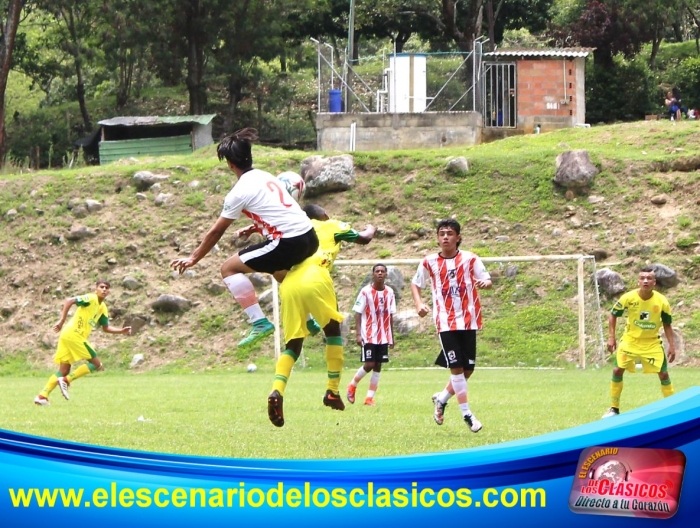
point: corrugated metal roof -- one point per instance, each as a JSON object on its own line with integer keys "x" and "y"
{"x": 551, "y": 52}
{"x": 156, "y": 120}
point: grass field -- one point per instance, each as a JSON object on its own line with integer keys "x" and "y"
{"x": 225, "y": 414}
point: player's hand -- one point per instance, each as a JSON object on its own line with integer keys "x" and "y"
{"x": 391, "y": 345}
{"x": 612, "y": 345}
{"x": 423, "y": 310}
{"x": 180, "y": 265}
{"x": 126, "y": 330}
{"x": 358, "y": 340}
{"x": 57, "y": 327}
{"x": 482, "y": 283}
{"x": 671, "y": 354}
{"x": 245, "y": 232}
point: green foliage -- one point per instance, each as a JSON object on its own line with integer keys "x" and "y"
{"x": 687, "y": 78}
{"x": 621, "y": 93}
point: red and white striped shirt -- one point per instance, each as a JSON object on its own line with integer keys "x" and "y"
{"x": 262, "y": 198}
{"x": 376, "y": 308}
{"x": 456, "y": 304}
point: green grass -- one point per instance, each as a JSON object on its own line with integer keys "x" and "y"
{"x": 225, "y": 414}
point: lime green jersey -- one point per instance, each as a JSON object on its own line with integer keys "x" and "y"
{"x": 330, "y": 234}
{"x": 644, "y": 318}
{"x": 90, "y": 313}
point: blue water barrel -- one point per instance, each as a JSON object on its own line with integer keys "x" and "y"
{"x": 334, "y": 101}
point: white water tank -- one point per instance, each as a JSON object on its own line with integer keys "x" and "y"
{"x": 407, "y": 83}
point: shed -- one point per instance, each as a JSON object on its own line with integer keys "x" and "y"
{"x": 129, "y": 136}
{"x": 528, "y": 90}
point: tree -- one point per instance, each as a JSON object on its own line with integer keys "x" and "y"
{"x": 8, "y": 25}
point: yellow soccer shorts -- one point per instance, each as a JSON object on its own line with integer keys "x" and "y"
{"x": 307, "y": 290}
{"x": 651, "y": 357}
{"x": 69, "y": 351}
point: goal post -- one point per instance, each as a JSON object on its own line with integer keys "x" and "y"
{"x": 511, "y": 288}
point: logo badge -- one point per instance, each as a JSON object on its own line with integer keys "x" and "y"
{"x": 628, "y": 482}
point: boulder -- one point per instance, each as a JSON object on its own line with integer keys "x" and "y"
{"x": 610, "y": 282}
{"x": 575, "y": 170}
{"x": 328, "y": 174}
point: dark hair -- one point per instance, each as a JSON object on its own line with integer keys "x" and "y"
{"x": 449, "y": 222}
{"x": 236, "y": 148}
{"x": 379, "y": 265}
{"x": 648, "y": 269}
{"x": 103, "y": 281}
{"x": 452, "y": 224}
{"x": 315, "y": 212}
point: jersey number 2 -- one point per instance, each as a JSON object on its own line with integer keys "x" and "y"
{"x": 283, "y": 197}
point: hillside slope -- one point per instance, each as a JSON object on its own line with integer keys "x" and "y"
{"x": 506, "y": 203}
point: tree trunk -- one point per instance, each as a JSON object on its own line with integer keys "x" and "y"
{"x": 80, "y": 88}
{"x": 195, "y": 59}
{"x": 7, "y": 44}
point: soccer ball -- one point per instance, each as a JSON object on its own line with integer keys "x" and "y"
{"x": 252, "y": 367}
{"x": 294, "y": 183}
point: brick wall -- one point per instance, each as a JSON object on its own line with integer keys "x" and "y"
{"x": 549, "y": 92}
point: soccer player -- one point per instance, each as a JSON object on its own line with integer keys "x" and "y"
{"x": 374, "y": 316}
{"x": 73, "y": 342}
{"x": 308, "y": 288}
{"x": 259, "y": 196}
{"x": 647, "y": 311}
{"x": 454, "y": 277}
{"x": 331, "y": 233}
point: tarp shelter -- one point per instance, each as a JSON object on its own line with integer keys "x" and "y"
{"x": 134, "y": 136}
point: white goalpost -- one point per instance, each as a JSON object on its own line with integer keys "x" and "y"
{"x": 590, "y": 339}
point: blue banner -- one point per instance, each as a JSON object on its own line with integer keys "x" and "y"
{"x": 538, "y": 481}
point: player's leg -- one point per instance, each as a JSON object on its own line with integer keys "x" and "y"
{"x": 43, "y": 397}
{"x": 373, "y": 383}
{"x": 367, "y": 365}
{"x": 283, "y": 369}
{"x": 622, "y": 362}
{"x": 334, "y": 362}
{"x": 665, "y": 378}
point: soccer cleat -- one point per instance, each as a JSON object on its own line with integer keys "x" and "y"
{"x": 260, "y": 330}
{"x": 274, "y": 408}
{"x": 473, "y": 423}
{"x": 370, "y": 401}
{"x": 313, "y": 327}
{"x": 63, "y": 384}
{"x": 41, "y": 400}
{"x": 613, "y": 411}
{"x": 439, "y": 412}
{"x": 351, "y": 393}
{"x": 333, "y": 400}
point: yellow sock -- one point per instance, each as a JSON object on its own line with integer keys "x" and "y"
{"x": 283, "y": 370}
{"x": 50, "y": 385}
{"x": 334, "y": 362}
{"x": 81, "y": 371}
{"x": 667, "y": 390}
{"x": 615, "y": 392}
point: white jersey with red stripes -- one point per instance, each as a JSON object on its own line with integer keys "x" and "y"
{"x": 376, "y": 308}
{"x": 456, "y": 304}
{"x": 265, "y": 200}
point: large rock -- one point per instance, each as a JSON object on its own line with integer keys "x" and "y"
{"x": 610, "y": 282}
{"x": 144, "y": 180}
{"x": 328, "y": 174}
{"x": 171, "y": 303}
{"x": 665, "y": 276}
{"x": 575, "y": 170}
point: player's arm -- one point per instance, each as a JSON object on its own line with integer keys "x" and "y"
{"x": 667, "y": 319}
{"x": 612, "y": 326}
{"x": 209, "y": 241}
{"x": 391, "y": 329}
{"x": 126, "y": 330}
{"x": 483, "y": 278}
{"x": 421, "y": 308}
{"x": 358, "y": 329}
{"x": 67, "y": 304}
{"x": 365, "y": 236}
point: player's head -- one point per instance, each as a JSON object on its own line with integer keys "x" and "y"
{"x": 315, "y": 212}
{"x": 102, "y": 288}
{"x": 379, "y": 274}
{"x": 647, "y": 278}
{"x": 237, "y": 149}
{"x": 449, "y": 225}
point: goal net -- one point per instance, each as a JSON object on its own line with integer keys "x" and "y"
{"x": 542, "y": 312}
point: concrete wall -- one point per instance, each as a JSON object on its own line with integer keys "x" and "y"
{"x": 398, "y": 131}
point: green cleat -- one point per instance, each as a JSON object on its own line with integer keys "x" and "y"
{"x": 261, "y": 329}
{"x": 313, "y": 327}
